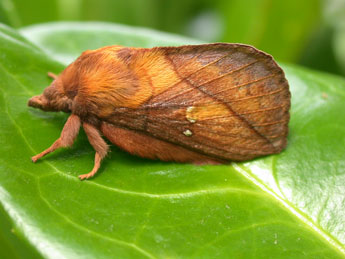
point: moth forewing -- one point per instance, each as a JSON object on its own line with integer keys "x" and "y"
{"x": 206, "y": 103}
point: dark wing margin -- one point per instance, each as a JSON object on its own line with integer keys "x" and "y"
{"x": 232, "y": 102}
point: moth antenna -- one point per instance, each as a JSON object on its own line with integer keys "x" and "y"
{"x": 52, "y": 75}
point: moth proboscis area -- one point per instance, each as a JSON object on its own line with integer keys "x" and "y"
{"x": 202, "y": 104}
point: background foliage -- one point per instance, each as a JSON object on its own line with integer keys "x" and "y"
{"x": 309, "y": 32}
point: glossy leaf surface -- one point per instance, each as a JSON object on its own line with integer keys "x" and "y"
{"x": 287, "y": 205}
{"x": 282, "y": 28}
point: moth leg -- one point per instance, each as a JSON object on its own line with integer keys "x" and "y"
{"x": 52, "y": 75}
{"x": 66, "y": 139}
{"x": 98, "y": 144}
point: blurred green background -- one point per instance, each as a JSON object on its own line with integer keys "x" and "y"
{"x": 308, "y": 32}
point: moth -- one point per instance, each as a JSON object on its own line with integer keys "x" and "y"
{"x": 201, "y": 104}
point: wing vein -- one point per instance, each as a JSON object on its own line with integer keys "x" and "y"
{"x": 244, "y": 84}
{"x": 270, "y": 123}
{"x": 228, "y": 107}
{"x": 196, "y": 71}
{"x": 197, "y": 87}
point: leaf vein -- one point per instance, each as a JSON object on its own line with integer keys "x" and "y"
{"x": 91, "y": 232}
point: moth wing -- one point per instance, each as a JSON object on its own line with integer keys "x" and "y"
{"x": 229, "y": 101}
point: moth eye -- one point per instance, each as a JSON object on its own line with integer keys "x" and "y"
{"x": 188, "y": 133}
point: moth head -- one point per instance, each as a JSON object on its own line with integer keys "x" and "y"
{"x": 53, "y": 98}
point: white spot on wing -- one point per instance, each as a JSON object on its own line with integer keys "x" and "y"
{"x": 189, "y": 114}
{"x": 187, "y": 132}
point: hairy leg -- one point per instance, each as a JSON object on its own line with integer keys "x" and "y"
{"x": 66, "y": 139}
{"x": 98, "y": 144}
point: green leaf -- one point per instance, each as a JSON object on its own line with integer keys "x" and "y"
{"x": 339, "y": 46}
{"x": 36, "y": 11}
{"x": 281, "y": 28}
{"x": 334, "y": 16}
{"x": 319, "y": 54}
{"x": 13, "y": 245}
{"x": 288, "y": 205}
{"x": 52, "y": 38}
{"x": 8, "y": 13}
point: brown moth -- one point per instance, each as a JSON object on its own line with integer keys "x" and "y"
{"x": 201, "y": 104}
